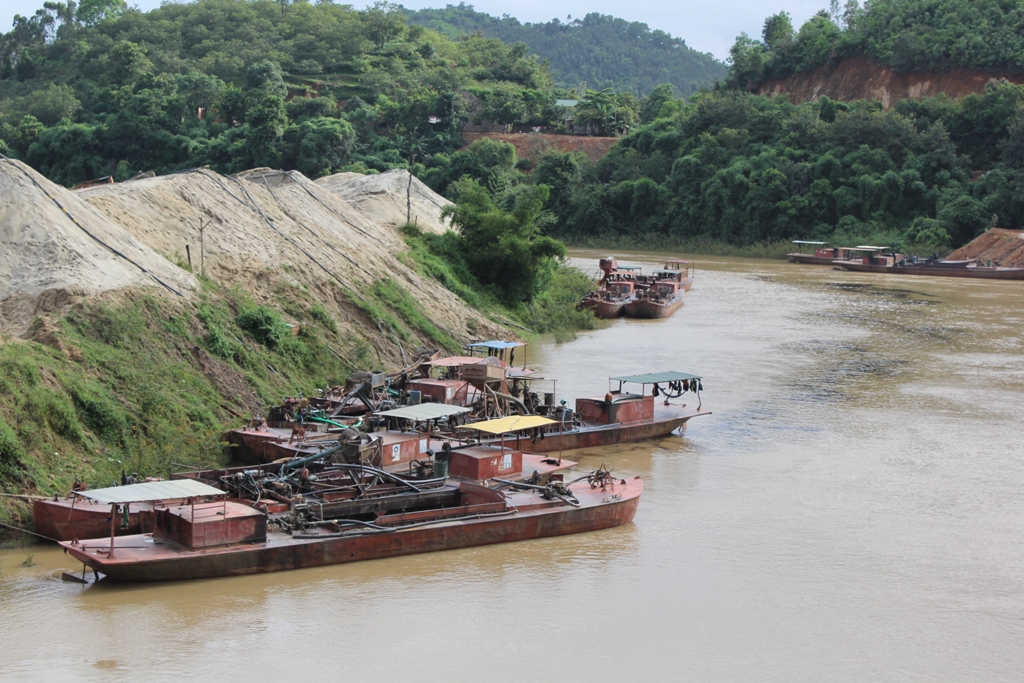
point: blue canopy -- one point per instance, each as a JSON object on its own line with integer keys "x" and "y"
{"x": 496, "y": 344}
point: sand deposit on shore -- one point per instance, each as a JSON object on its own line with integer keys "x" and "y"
{"x": 386, "y": 198}
{"x": 55, "y": 247}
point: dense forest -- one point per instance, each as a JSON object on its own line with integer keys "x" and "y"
{"x": 904, "y": 34}
{"x": 97, "y": 89}
{"x": 731, "y": 168}
{"x": 739, "y": 169}
{"x": 598, "y": 50}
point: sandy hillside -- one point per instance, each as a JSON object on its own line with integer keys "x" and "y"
{"x": 997, "y": 244}
{"x": 264, "y": 226}
{"x": 55, "y": 247}
{"x": 383, "y": 198}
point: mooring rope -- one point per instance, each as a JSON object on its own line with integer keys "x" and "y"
{"x": 26, "y": 531}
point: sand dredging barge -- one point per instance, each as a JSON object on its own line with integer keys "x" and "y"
{"x": 204, "y": 535}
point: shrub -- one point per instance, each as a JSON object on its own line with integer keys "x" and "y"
{"x": 264, "y": 324}
{"x": 11, "y": 452}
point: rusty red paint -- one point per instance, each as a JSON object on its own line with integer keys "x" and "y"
{"x": 529, "y": 516}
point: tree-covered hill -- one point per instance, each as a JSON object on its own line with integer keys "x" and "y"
{"x": 99, "y": 89}
{"x": 987, "y": 35}
{"x": 731, "y": 167}
{"x": 598, "y": 50}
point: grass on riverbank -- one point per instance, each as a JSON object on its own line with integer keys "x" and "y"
{"x": 139, "y": 382}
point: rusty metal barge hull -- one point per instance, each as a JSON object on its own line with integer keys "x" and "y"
{"x": 981, "y": 273}
{"x": 604, "y": 308}
{"x": 810, "y": 259}
{"x": 607, "y": 435}
{"x": 142, "y": 561}
{"x": 644, "y": 308}
{"x": 61, "y": 521}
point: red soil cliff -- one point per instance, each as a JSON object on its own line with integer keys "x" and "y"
{"x": 997, "y": 244}
{"x": 862, "y": 78}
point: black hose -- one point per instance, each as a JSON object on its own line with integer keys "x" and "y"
{"x": 289, "y": 174}
{"x": 258, "y": 210}
{"x": 83, "y": 229}
{"x": 311, "y": 231}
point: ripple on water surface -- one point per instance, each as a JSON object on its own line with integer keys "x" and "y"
{"x": 851, "y": 511}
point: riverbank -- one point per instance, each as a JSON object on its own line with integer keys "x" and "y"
{"x": 771, "y": 250}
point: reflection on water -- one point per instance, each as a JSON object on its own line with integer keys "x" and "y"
{"x": 851, "y": 511}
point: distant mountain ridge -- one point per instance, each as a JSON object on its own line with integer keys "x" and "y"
{"x": 599, "y": 50}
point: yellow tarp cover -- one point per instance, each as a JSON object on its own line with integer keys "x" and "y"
{"x": 510, "y": 424}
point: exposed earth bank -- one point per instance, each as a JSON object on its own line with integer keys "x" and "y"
{"x": 863, "y": 78}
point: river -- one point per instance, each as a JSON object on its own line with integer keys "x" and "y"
{"x": 851, "y": 511}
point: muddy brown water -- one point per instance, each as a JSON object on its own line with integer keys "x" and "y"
{"x": 851, "y": 511}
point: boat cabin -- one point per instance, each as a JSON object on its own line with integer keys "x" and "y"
{"x": 206, "y": 525}
{"x": 610, "y": 269}
{"x": 409, "y": 428}
{"x": 488, "y": 460}
{"x": 681, "y": 267}
{"x": 620, "y": 289}
{"x": 821, "y": 250}
{"x": 620, "y": 406}
{"x": 663, "y": 289}
{"x": 873, "y": 256}
{"x": 185, "y": 511}
{"x": 446, "y": 385}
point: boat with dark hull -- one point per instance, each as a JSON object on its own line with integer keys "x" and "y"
{"x": 933, "y": 268}
{"x": 619, "y": 416}
{"x": 610, "y": 302}
{"x": 215, "y": 539}
{"x": 662, "y": 299}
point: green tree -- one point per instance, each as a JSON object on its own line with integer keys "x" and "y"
{"x": 385, "y": 21}
{"x": 661, "y": 102}
{"x": 126, "y": 62}
{"x": 778, "y": 31}
{"x": 504, "y": 248}
{"x": 92, "y": 12}
{"x": 320, "y": 145}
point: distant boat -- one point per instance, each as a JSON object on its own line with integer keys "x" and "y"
{"x": 827, "y": 256}
{"x": 661, "y": 300}
{"x": 934, "y": 267}
{"x": 620, "y": 416}
{"x": 611, "y": 300}
{"x": 663, "y": 294}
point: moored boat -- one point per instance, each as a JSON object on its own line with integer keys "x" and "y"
{"x": 619, "y": 416}
{"x": 206, "y": 540}
{"x": 823, "y": 255}
{"x": 968, "y": 268}
{"x": 662, "y": 299}
{"x": 610, "y": 301}
{"x": 65, "y": 519}
{"x": 680, "y": 270}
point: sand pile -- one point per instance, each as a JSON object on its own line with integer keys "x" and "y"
{"x": 265, "y": 225}
{"x": 383, "y": 198}
{"x": 997, "y": 244}
{"x": 54, "y": 247}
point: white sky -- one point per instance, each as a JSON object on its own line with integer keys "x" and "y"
{"x": 705, "y": 26}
